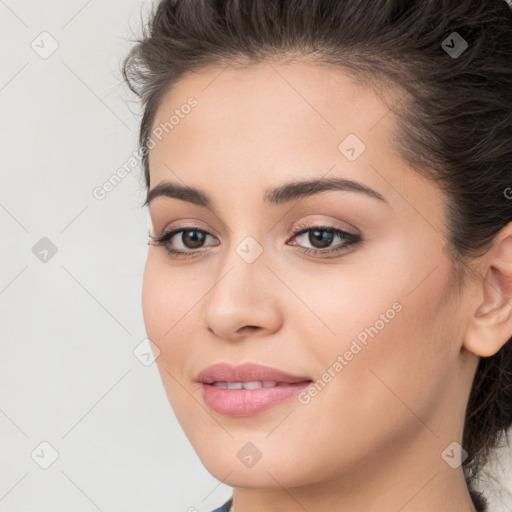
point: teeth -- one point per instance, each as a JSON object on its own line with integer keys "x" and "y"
{"x": 247, "y": 385}
{"x": 251, "y": 385}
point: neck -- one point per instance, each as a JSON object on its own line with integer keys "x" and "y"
{"x": 434, "y": 492}
{"x": 422, "y": 482}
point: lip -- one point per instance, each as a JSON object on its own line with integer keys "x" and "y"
{"x": 247, "y": 402}
{"x": 246, "y": 372}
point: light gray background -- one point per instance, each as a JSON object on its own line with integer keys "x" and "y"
{"x": 69, "y": 325}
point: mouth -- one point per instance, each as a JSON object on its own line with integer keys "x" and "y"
{"x": 257, "y": 384}
{"x": 248, "y": 374}
{"x": 247, "y": 389}
{"x": 249, "y": 398}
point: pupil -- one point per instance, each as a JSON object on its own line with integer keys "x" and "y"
{"x": 192, "y": 241}
{"x": 317, "y": 236}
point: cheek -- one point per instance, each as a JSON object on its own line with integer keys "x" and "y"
{"x": 394, "y": 325}
{"x": 168, "y": 297}
{"x": 170, "y": 303}
{"x": 345, "y": 301}
{"x": 155, "y": 302}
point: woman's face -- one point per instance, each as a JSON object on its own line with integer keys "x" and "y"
{"x": 377, "y": 322}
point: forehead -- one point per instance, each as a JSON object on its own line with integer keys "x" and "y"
{"x": 271, "y": 111}
{"x": 255, "y": 128}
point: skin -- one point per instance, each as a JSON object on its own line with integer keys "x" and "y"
{"x": 372, "y": 438}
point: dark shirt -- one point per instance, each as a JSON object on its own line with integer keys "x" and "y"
{"x": 225, "y": 507}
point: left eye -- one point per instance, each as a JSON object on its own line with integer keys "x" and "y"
{"x": 320, "y": 237}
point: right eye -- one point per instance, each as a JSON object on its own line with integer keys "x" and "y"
{"x": 192, "y": 238}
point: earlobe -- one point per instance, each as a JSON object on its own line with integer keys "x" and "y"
{"x": 490, "y": 326}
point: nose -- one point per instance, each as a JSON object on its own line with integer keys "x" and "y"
{"x": 243, "y": 299}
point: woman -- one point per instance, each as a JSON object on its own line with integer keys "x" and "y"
{"x": 329, "y": 278}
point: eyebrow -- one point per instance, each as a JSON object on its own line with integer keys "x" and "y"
{"x": 276, "y": 196}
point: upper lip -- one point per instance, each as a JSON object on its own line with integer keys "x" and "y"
{"x": 246, "y": 372}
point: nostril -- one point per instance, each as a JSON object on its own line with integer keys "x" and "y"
{"x": 248, "y": 327}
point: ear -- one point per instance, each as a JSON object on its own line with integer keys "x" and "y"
{"x": 490, "y": 325}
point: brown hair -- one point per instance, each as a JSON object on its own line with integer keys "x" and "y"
{"x": 454, "y": 120}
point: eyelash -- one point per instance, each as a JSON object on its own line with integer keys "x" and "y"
{"x": 351, "y": 240}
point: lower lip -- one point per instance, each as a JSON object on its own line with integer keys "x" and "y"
{"x": 246, "y": 402}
